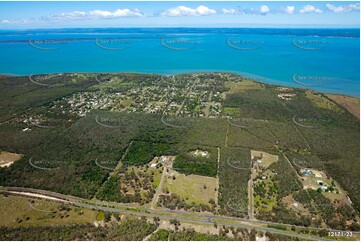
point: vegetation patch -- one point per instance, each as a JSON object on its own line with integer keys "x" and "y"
{"x": 194, "y": 189}
{"x": 235, "y": 171}
{"x": 131, "y": 185}
{"x": 131, "y": 229}
{"x": 24, "y": 212}
{"x": 193, "y": 162}
{"x": 141, "y": 153}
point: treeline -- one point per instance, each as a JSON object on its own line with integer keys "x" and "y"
{"x": 185, "y": 235}
{"x": 133, "y": 229}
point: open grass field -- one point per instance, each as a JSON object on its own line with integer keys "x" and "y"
{"x": 265, "y": 158}
{"x": 350, "y": 103}
{"x": 319, "y": 100}
{"x": 22, "y": 211}
{"x": 7, "y": 158}
{"x": 193, "y": 188}
{"x": 236, "y": 87}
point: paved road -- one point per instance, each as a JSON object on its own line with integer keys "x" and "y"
{"x": 134, "y": 206}
{"x": 166, "y": 214}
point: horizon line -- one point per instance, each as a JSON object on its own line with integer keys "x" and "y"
{"x": 192, "y": 27}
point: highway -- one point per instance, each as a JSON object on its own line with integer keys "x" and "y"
{"x": 164, "y": 214}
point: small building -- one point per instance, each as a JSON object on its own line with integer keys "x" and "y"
{"x": 324, "y": 187}
{"x": 319, "y": 182}
{"x": 154, "y": 165}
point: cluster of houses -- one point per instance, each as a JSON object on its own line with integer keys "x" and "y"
{"x": 286, "y": 96}
{"x": 200, "y": 153}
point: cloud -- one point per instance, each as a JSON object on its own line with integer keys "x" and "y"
{"x": 264, "y": 9}
{"x": 289, "y": 9}
{"x": 18, "y": 21}
{"x": 230, "y": 11}
{"x": 116, "y": 14}
{"x": 78, "y": 15}
{"x": 343, "y": 9}
{"x": 186, "y": 11}
{"x": 95, "y": 14}
{"x": 310, "y": 9}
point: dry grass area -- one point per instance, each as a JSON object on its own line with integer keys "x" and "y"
{"x": 193, "y": 188}
{"x": 236, "y": 87}
{"x": 352, "y": 104}
{"x": 292, "y": 204}
{"x": 7, "y": 158}
{"x": 22, "y": 211}
{"x": 320, "y": 101}
{"x": 267, "y": 159}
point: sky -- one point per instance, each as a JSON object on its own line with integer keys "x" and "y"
{"x": 33, "y": 15}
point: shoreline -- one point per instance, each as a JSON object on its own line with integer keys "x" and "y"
{"x": 254, "y": 77}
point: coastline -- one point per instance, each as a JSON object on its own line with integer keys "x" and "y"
{"x": 254, "y": 77}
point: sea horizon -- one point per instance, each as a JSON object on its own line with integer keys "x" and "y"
{"x": 286, "y": 53}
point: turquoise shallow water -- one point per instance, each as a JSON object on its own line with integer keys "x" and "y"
{"x": 326, "y": 60}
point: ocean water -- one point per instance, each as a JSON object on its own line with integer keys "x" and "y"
{"x": 326, "y": 60}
